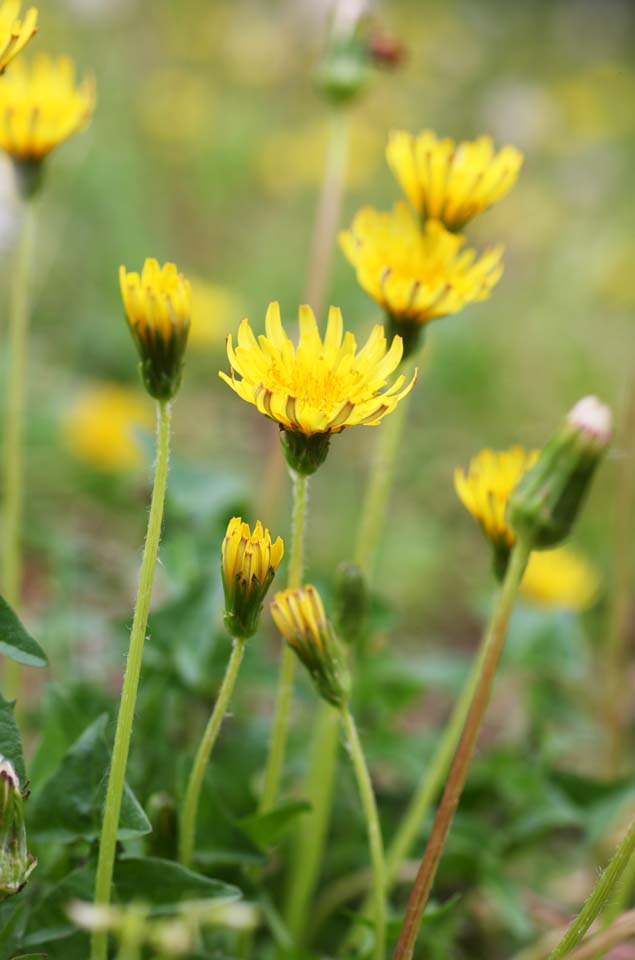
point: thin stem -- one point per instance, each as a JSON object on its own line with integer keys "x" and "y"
{"x": 494, "y": 643}
{"x": 375, "y": 842}
{"x": 193, "y": 793}
{"x": 599, "y": 896}
{"x": 309, "y": 842}
{"x": 116, "y": 779}
{"x": 602, "y": 942}
{"x": 373, "y": 514}
{"x": 13, "y": 468}
{"x": 623, "y": 894}
{"x": 328, "y": 212}
{"x": 280, "y": 726}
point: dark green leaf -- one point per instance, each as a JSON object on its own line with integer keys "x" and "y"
{"x": 15, "y": 642}
{"x": 10, "y": 743}
{"x": 69, "y": 805}
{"x": 267, "y": 829}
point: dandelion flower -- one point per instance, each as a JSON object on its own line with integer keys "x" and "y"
{"x": 101, "y": 426}
{"x": 15, "y": 33}
{"x": 248, "y": 565}
{"x": 451, "y": 182}
{"x": 560, "y": 578}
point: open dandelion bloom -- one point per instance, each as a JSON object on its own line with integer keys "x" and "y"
{"x": 41, "y": 106}
{"x": 485, "y": 489}
{"x": 451, "y": 182}
{"x": 102, "y": 425}
{"x": 158, "y": 306}
{"x": 560, "y": 578}
{"x": 301, "y": 619}
{"x": 248, "y": 565}
{"x": 417, "y": 274}
{"x": 322, "y": 386}
{"x": 14, "y": 33}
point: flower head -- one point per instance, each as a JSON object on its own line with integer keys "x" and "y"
{"x": 301, "y": 619}
{"x": 41, "y": 106}
{"x": 16, "y": 864}
{"x": 485, "y": 489}
{"x": 417, "y": 274}
{"x": 15, "y": 33}
{"x": 560, "y": 578}
{"x": 319, "y": 388}
{"x": 249, "y": 563}
{"x": 451, "y": 182}
{"x": 101, "y": 426}
{"x": 158, "y": 308}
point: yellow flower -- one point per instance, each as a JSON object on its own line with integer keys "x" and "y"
{"x": 560, "y": 578}
{"x": 322, "y": 386}
{"x": 214, "y": 308}
{"x": 100, "y": 427}
{"x": 451, "y": 182}
{"x": 41, "y": 106}
{"x": 485, "y": 490}
{"x": 158, "y": 306}
{"x": 417, "y": 274}
{"x": 15, "y": 33}
{"x": 249, "y": 562}
{"x": 301, "y": 619}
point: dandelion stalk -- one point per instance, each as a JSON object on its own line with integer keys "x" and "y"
{"x": 279, "y": 731}
{"x": 13, "y": 466}
{"x": 195, "y": 783}
{"x": 493, "y": 647}
{"x": 116, "y": 779}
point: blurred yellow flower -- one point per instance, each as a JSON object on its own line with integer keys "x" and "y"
{"x": 417, "y": 274}
{"x": 41, "y": 106}
{"x": 158, "y": 305}
{"x": 451, "y": 182}
{"x": 561, "y": 578}
{"x": 485, "y": 490}
{"x": 100, "y": 427}
{"x": 15, "y": 33}
{"x": 322, "y": 386}
{"x": 175, "y": 105}
{"x": 214, "y": 309}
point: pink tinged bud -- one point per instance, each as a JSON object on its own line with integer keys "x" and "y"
{"x": 593, "y": 417}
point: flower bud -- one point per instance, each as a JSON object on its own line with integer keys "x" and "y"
{"x": 345, "y": 67}
{"x": 16, "y": 864}
{"x": 158, "y": 308}
{"x": 304, "y": 454}
{"x": 351, "y": 605}
{"x": 249, "y": 563}
{"x": 546, "y": 502}
{"x": 300, "y": 617}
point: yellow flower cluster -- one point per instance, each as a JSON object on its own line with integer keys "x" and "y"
{"x": 560, "y": 578}
{"x": 15, "y": 33}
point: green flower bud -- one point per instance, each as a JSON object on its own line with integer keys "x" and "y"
{"x": 546, "y": 502}
{"x": 351, "y": 605}
{"x": 16, "y": 863}
{"x": 304, "y": 454}
{"x": 249, "y": 563}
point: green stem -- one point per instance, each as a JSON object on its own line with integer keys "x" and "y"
{"x": 13, "y": 468}
{"x": 328, "y": 211}
{"x": 373, "y": 514}
{"x": 601, "y": 892}
{"x": 493, "y": 647}
{"x": 373, "y": 826}
{"x": 280, "y": 726}
{"x": 116, "y": 779}
{"x": 309, "y": 842}
{"x": 195, "y": 783}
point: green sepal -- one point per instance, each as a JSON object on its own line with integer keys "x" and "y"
{"x": 29, "y": 175}
{"x": 304, "y": 454}
{"x": 412, "y": 333}
{"x": 161, "y": 364}
{"x": 243, "y": 604}
{"x": 500, "y": 559}
{"x": 327, "y": 666}
{"x": 16, "y": 863}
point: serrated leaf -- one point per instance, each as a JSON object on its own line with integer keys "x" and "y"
{"x": 267, "y": 829}
{"x": 10, "y": 742}
{"x": 15, "y": 642}
{"x": 69, "y": 805}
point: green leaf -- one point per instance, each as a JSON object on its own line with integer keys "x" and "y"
{"x": 267, "y": 829}
{"x": 69, "y": 805}
{"x": 15, "y": 642}
{"x": 10, "y": 743}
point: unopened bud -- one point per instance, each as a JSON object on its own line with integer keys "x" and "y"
{"x": 546, "y": 502}
{"x": 16, "y": 863}
{"x": 351, "y": 604}
{"x": 249, "y": 563}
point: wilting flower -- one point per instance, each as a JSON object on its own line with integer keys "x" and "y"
{"x": 15, "y": 33}
{"x": 301, "y": 619}
{"x": 319, "y": 388}
{"x": 417, "y": 274}
{"x": 545, "y": 504}
{"x": 560, "y": 578}
{"x": 249, "y": 563}
{"x": 41, "y": 106}
{"x": 100, "y": 427}
{"x": 16, "y": 863}
{"x": 451, "y": 182}
{"x": 485, "y": 489}
{"x": 158, "y": 308}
